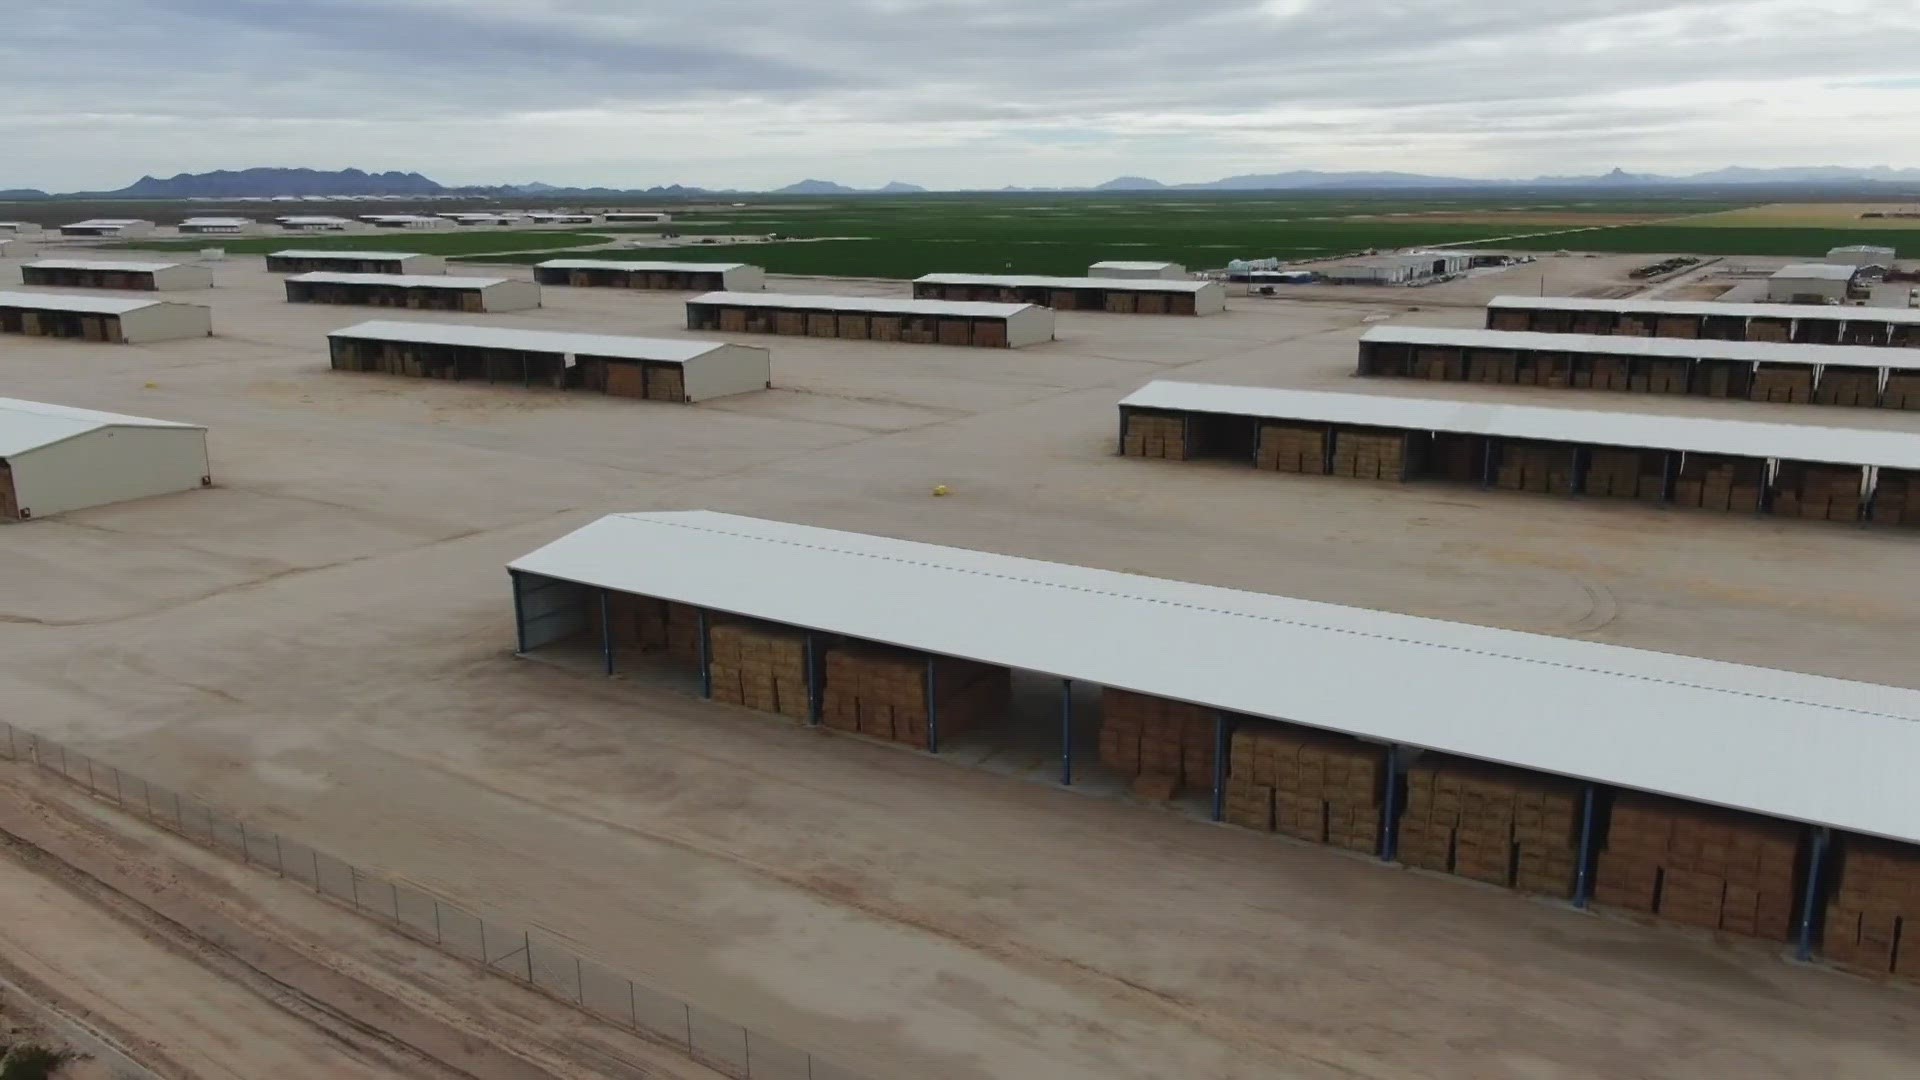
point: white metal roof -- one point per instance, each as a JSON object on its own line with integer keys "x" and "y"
{"x": 296, "y": 253}
{"x": 29, "y": 425}
{"x": 1015, "y": 281}
{"x": 217, "y": 221}
{"x": 313, "y": 219}
{"x": 1707, "y": 308}
{"x": 548, "y": 341}
{"x": 99, "y": 264}
{"x": 1773, "y": 352}
{"x": 410, "y": 281}
{"x": 91, "y": 305}
{"x": 397, "y": 217}
{"x": 801, "y": 302}
{"x": 1745, "y": 438}
{"x": 1816, "y": 272}
{"x": 1803, "y": 747}
{"x": 622, "y": 264}
{"x": 1865, "y": 249}
{"x": 1126, "y": 264}
{"x": 104, "y": 223}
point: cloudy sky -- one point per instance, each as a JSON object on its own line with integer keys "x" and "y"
{"x": 949, "y": 93}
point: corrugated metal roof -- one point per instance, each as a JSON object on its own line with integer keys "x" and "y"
{"x": 313, "y": 219}
{"x": 29, "y": 425}
{"x": 104, "y": 223}
{"x": 1802, "y": 747}
{"x": 1746, "y": 438}
{"x": 801, "y": 302}
{"x": 1862, "y": 356}
{"x": 1706, "y": 307}
{"x": 1124, "y": 264}
{"x": 217, "y": 221}
{"x": 1864, "y": 249}
{"x": 100, "y": 264}
{"x": 411, "y": 281}
{"x": 547, "y": 341}
{"x": 91, "y": 305}
{"x": 622, "y": 264}
{"x": 1816, "y": 272}
{"x": 294, "y": 253}
{"x": 1168, "y": 285}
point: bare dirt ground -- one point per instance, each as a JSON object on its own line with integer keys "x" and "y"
{"x": 1808, "y": 216}
{"x": 323, "y": 644}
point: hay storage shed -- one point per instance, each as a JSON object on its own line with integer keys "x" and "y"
{"x": 298, "y": 261}
{"x": 426, "y": 292}
{"x": 635, "y": 274}
{"x": 109, "y": 319}
{"x": 108, "y": 227}
{"x": 313, "y": 223}
{"x": 651, "y": 368}
{"x": 19, "y": 228}
{"x": 1154, "y": 296}
{"x": 54, "y": 459}
{"x": 218, "y": 226}
{"x": 872, "y": 318}
{"x": 1122, "y": 268}
{"x": 105, "y": 274}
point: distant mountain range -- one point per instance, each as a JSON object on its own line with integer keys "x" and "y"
{"x": 352, "y": 183}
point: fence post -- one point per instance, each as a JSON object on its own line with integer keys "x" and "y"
{"x": 633, "y": 1008}
{"x": 437, "y": 940}
{"x": 396, "y": 901}
{"x": 353, "y": 879}
{"x": 244, "y": 861}
{"x": 526, "y": 944}
{"x": 279, "y": 856}
{"x": 688, "y": 1009}
{"x": 746, "y": 1050}
{"x": 580, "y": 980}
{"x": 316, "y": 871}
{"x": 119, "y": 795}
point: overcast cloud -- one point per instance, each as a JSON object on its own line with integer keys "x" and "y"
{"x": 756, "y": 93}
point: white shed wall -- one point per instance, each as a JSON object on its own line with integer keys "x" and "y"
{"x": 510, "y": 296}
{"x": 22, "y": 228}
{"x": 1029, "y": 326}
{"x": 1784, "y": 290}
{"x": 423, "y": 264}
{"x": 731, "y": 369}
{"x": 743, "y": 279}
{"x": 110, "y": 465}
{"x": 166, "y": 322}
{"x": 1211, "y": 299}
{"x": 183, "y": 276}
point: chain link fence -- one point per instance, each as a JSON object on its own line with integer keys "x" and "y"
{"x": 524, "y": 954}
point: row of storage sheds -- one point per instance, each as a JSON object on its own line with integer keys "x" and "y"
{"x": 1739, "y": 799}
{"x": 1146, "y": 296}
{"x": 650, "y": 274}
{"x": 654, "y": 369}
{"x": 116, "y": 274}
{"x": 1810, "y": 324}
{"x": 54, "y": 459}
{"x": 406, "y": 221}
{"x": 117, "y": 227}
{"x": 301, "y": 261}
{"x": 19, "y": 228}
{"x": 427, "y": 292}
{"x": 218, "y": 226}
{"x": 101, "y": 318}
{"x": 1791, "y": 470}
{"x": 872, "y": 318}
{"x": 314, "y": 223}
{"x": 1852, "y": 375}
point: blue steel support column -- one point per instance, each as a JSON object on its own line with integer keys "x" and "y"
{"x": 933, "y": 710}
{"x": 1066, "y": 732}
{"x": 519, "y": 615}
{"x": 706, "y": 657}
{"x": 815, "y": 691}
{"x": 1389, "y": 828}
{"x": 1817, "y": 849}
{"x": 1219, "y": 766}
{"x": 606, "y": 632}
{"x": 1583, "y": 870}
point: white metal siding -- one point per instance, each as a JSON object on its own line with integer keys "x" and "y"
{"x": 731, "y": 369}
{"x": 510, "y": 296}
{"x": 1029, "y": 326}
{"x": 423, "y": 264}
{"x": 182, "y": 277}
{"x": 166, "y": 322}
{"x": 743, "y": 278}
{"x": 1211, "y": 300}
{"x": 109, "y": 465}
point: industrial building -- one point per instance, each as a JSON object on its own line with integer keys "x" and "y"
{"x": 314, "y": 223}
{"x": 1361, "y": 744}
{"x": 479, "y": 219}
{"x": 54, "y": 459}
{"x": 117, "y": 227}
{"x": 19, "y": 228}
{"x": 1862, "y": 255}
{"x": 298, "y": 261}
{"x": 624, "y": 274}
{"x": 652, "y": 369}
{"x": 423, "y": 292}
{"x": 1853, "y": 375}
{"x": 106, "y": 274}
{"x": 1815, "y": 283}
{"x": 405, "y": 221}
{"x": 101, "y": 318}
{"x": 218, "y": 226}
{"x": 550, "y": 217}
{"x": 1786, "y": 470}
{"x": 1155, "y": 296}
{"x": 1803, "y": 323}
{"x": 869, "y": 318}
{"x": 1412, "y": 268}
{"x": 1122, "y": 268}
{"x": 645, "y": 217}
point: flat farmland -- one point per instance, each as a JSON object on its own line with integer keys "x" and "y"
{"x": 1813, "y": 216}
{"x": 444, "y": 242}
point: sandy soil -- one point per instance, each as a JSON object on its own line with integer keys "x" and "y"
{"x": 322, "y": 642}
{"x": 1807, "y": 216}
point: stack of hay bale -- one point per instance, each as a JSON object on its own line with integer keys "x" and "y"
{"x": 646, "y": 624}
{"x": 1491, "y": 823}
{"x": 1818, "y": 492}
{"x": 1623, "y": 473}
{"x": 1873, "y": 919}
{"x": 1493, "y": 366}
{"x": 1164, "y": 746}
{"x": 881, "y": 692}
{"x": 1154, "y": 436}
{"x": 1787, "y": 384}
{"x": 1438, "y": 364}
{"x": 1896, "y": 498}
{"x": 1367, "y": 454}
{"x": 1292, "y": 448}
{"x": 1598, "y": 372}
{"x": 1311, "y": 785}
{"x": 1717, "y": 482}
{"x": 1701, "y": 866}
{"x": 1903, "y": 391}
{"x": 1551, "y": 370}
{"x": 760, "y": 666}
{"x": 1724, "y": 379}
{"x": 1544, "y": 468}
{"x": 1662, "y": 376}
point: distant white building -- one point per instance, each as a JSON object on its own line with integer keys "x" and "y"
{"x": 405, "y": 221}
{"x": 108, "y": 227}
{"x": 551, "y": 217}
{"x": 1812, "y": 283}
{"x": 19, "y": 228}
{"x": 649, "y": 217}
{"x": 314, "y": 223}
{"x": 1121, "y": 268}
{"x": 217, "y": 226}
{"x": 1861, "y": 255}
{"x": 1409, "y": 268}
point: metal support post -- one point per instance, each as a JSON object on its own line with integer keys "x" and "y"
{"x": 1066, "y": 732}
{"x": 1389, "y": 811}
{"x": 933, "y": 710}
{"x": 519, "y": 614}
{"x": 1577, "y": 478}
{"x": 1816, "y": 852}
{"x": 1583, "y": 869}
{"x": 706, "y": 657}
{"x": 816, "y": 692}
{"x": 1219, "y": 766}
{"x": 606, "y": 631}
{"x": 1666, "y": 477}
{"x": 1186, "y": 438}
{"x": 1120, "y": 441}
{"x": 1486, "y": 462}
